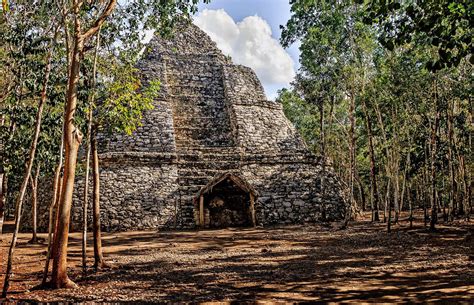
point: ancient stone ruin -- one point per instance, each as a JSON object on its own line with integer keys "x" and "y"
{"x": 214, "y": 152}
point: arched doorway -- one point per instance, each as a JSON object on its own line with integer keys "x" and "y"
{"x": 226, "y": 201}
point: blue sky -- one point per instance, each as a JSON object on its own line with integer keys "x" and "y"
{"x": 273, "y": 12}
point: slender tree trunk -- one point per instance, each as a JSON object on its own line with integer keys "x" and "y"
{"x": 396, "y": 189}
{"x": 466, "y": 191}
{"x": 452, "y": 203}
{"x": 410, "y": 206}
{"x": 351, "y": 160}
{"x": 374, "y": 200}
{"x": 388, "y": 205}
{"x": 426, "y": 184}
{"x": 361, "y": 192}
{"x": 27, "y": 174}
{"x": 34, "y": 205}
{"x": 3, "y": 195}
{"x": 54, "y": 248}
{"x": 385, "y": 211}
{"x": 86, "y": 195}
{"x": 390, "y": 158}
{"x": 407, "y": 166}
{"x": 323, "y": 155}
{"x": 98, "y": 258}
{"x": 88, "y": 153}
{"x": 434, "y": 214}
{"x": 52, "y": 209}
{"x": 73, "y": 138}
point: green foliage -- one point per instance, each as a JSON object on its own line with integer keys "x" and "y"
{"x": 445, "y": 25}
{"x": 124, "y": 101}
{"x": 24, "y": 44}
{"x": 302, "y": 114}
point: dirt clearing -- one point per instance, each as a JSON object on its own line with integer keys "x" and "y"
{"x": 296, "y": 263}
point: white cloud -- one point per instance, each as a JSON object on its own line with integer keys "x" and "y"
{"x": 249, "y": 43}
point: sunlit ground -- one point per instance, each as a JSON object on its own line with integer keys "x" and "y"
{"x": 297, "y": 263}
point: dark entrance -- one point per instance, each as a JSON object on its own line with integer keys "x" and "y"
{"x": 226, "y": 201}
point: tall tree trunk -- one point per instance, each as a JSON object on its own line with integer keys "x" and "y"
{"x": 351, "y": 159}
{"x": 404, "y": 183}
{"x": 374, "y": 200}
{"x": 434, "y": 214}
{"x": 86, "y": 194}
{"x": 98, "y": 258}
{"x": 323, "y": 155}
{"x": 27, "y": 174}
{"x": 88, "y": 153}
{"x": 56, "y": 206}
{"x": 389, "y": 174}
{"x": 426, "y": 183}
{"x": 453, "y": 186}
{"x": 388, "y": 206}
{"x": 466, "y": 191}
{"x": 3, "y": 195}
{"x": 53, "y": 206}
{"x": 52, "y": 209}
{"x": 73, "y": 138}
{"x": 410, "y": 206}
{"x": 352, "y": 147}
{"x": 396, "y": 189}
{"x": 34, "y": 205}
{"x": 361, "y": 191}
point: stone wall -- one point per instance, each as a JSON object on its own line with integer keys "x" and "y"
{"x": 289, "y": 192}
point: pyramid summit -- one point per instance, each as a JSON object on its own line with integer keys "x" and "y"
{"x": 214, "y": 152}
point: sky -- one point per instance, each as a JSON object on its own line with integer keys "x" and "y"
{"x": 249, "y": 31}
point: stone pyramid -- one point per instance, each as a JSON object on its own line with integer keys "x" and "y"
{"x": 214, "y": 152}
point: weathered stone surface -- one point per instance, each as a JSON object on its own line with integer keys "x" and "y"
{"x": 211, "y": 117}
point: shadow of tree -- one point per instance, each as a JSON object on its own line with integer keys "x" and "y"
{"x": 291, "y": 264}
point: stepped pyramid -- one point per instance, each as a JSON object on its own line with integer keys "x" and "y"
{"x": 214, "y": 152}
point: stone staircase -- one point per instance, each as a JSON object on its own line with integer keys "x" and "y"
{"x": 204, "y": 143}
{"x": 200, "y": 113}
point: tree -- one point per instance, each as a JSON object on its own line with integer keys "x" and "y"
{"x": 31, "y": 154}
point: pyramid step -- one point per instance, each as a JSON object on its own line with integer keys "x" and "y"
{"x": 196, "y": 76}
{"x": 195, "y": 96}
{"x": 193, "y": 180}
{"x": 198, "y": 159}
{"x": 199, "y": 90}
{"x": 218, "y": 113}
{"x": 209, "y": 173}
{"x": 191, "y": 83}
{"x": 182, "y": 142}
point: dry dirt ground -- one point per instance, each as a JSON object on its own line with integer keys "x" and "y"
{"x": 287, "y": 264}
